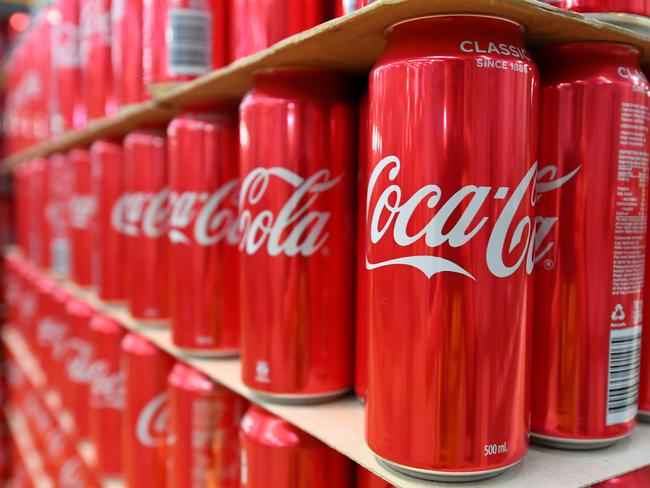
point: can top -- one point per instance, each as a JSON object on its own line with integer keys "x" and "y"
{"x": 79, "y": 308}
{"x": 139, "y": 346}
{"x": 302, "y": 82}
{"x": 268, "y": 429}
{"x": 104, "y": 324}
{"x": 185, "y": 377}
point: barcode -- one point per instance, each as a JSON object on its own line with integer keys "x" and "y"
{"x": 189, "y": 48}
{"x": 60, "y": 249}
{"x": 623, "y": 381}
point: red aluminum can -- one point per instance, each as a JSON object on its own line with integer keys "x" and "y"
{"x": 145, "y": 417}
{"x": 107, "y": 394}
{"x": 639, "y": 478}
{"x": 361, "y": 306}
{"x": 297, "y": 136}
{"x": 60, "y": 186}
{"x": 79, "y": 357}
{"x": 342, "y": 7}
{"x": 366, "y": 479}
{"x": 107, "y": 158}
{"x": 95, "y": 56}
{"x": 204, "y": 420}
{"x": 56, "y": 336}
{"x": 82, "y": 214}
{"x": 274, "y": 449}
{"x": 639, "y": 7}
{"x": 66, "y": 102}
{"x": 256, "y": 25}
{"x": 126, "y": 51}
{"x": 449, "y": 246}
{"x": 36, "y": 221}
{"x": 183, "y": 38}
{"x": 43, "y": 286}
{"x": 203, "y": 231}
{"x": 143, "y": 217}
{"x": 588, "y": 294}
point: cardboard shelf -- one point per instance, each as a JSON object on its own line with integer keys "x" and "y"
{"x": 340, "y": 424}
{"x": 29, "y": 365}
{"x": 351, "y": 43}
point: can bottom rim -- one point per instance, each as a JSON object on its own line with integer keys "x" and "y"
{"x": 208, "y": 353}
{"x": 432, "y": 475}
{"x": 298, "y": 398}
{"x": 575, "y": 444}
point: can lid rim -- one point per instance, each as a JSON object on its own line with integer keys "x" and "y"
{"x": 521, "y": 26}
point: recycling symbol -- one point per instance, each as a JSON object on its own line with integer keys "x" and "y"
{"x": 618, "y": 314}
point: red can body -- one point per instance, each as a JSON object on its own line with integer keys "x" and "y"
{"x": 183, "y": 39}
{"x": 639, "y": 7}
{"x": 107, "y": 394}
{"x": 203, "y": 232}
{"x": 126, "y": 51}
{"x": 145, "y": 418}
{"x": 588, "y": 294}
{"x": 66, "y": 101}
{"x": 274, "y": 449}
{"x": 95, "y": 55}
{"x": 36, "y": 202}
{"x": 141, "y": 215}
{"x": 82, "y": 212}
{"x": 296, "y": 204}
{"x": 204, "y": 420}
{"x": 56, "y": 337}
{"x": 79, "y": 358}
{"x": 256, "y": 25}
{"x": 366, "y": 479}
{"x": 449, "y": 233}
{"x": 60, "y": 186}
{"x": 107, "y": 158}
{"x": 361, "y": 306}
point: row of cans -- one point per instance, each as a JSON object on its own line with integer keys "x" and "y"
{"x": 105, "y": 52}
{"x": 501, "y": 251}
{"x": 153, "y": 421}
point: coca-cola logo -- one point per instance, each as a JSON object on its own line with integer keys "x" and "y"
{"x": 214, "y": 216}
{"x": 140, "y": 213}
{"x": 82, "y": 210}
{"x": 392, "y": 211}
{"x": 94, "y": 20}
{"x": 107, "y": 386}
{"x": 152, "y": 421}
{"x": 296, "y": 229}
{"x": 79, "y": 364}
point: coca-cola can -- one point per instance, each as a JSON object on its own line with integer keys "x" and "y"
{"x": 274, "y": 449}
{"x": 66, "y": 102}
{"x": 204, "y": 420}
{"x": 95, "y": 57}
{"x": 183, "y": 39}
{"x": 60, "y": 186}
{"x": 449, "y": 246}
{"x": 82, "y": 213}
{"x": 56, "y": 339}
{"x": 589, "y": 293}
{"x": 142, "y": 217}
{"x": 39, "y": 342}
{"x": 638, "y": 7}
{"x": 297, "y": 137}
{"x": 367, "y": 479}
{"x": 126, "y": 51}
{"x": 145, "y": 417}
{"x": 107, "y": 394}
{"x": 203, "y": 231}
{"x": 36, "y": 200}
{"x": 107, "y": 161}
{"x": 255, "y": 24}
{"x": 78, "y": 359}
{"x": 343, "y": 7}
{"x": 361, "y": 306}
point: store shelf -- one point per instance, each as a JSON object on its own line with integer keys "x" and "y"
{"x": 340, "y": 424}
{"x": 26, "y": 449}
{"x": 350, "y": 43}
{"x": 29, "y": 365}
